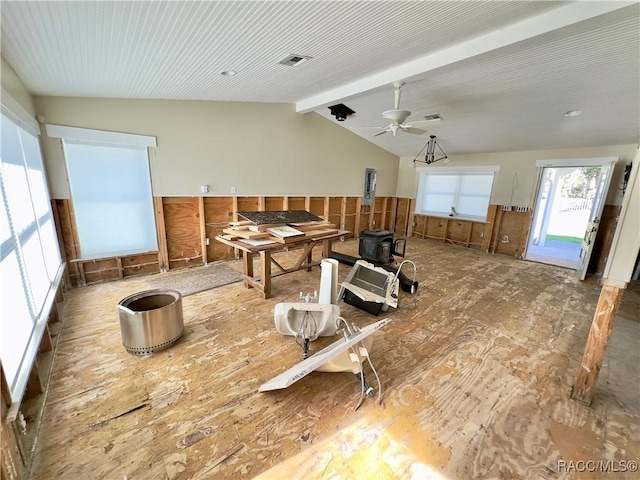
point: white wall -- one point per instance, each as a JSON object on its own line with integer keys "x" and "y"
{"x": 268, "y": 149}
{"x": 259, "y": 148}
{"x": 517, "y": 180}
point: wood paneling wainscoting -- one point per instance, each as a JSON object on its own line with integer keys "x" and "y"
{"x": 187, "y": 226}
{"x": 604, "y": 237}
{"x": 504, "y": 232}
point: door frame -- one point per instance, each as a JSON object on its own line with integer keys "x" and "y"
{"x": 569, "y": 162}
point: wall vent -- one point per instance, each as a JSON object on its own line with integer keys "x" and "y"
{"x": 292, "y": 60}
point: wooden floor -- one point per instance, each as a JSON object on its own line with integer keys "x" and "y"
{"x": 477, "y": 369}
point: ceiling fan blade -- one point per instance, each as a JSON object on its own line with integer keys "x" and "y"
{"x": 380, "y": 133}
{"x": 415, "y": 131}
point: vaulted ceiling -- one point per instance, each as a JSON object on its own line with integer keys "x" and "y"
{"x": 502, "y": 74}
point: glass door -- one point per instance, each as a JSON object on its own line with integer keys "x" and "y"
{"x": 586, "y": 248}
{"x": 569, "y": 205}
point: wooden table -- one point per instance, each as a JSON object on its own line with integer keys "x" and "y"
{"x": 305, "y": 261}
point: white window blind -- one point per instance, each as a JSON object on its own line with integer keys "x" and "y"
{"x": 112, "y": 198}
{"x": 30, "y": 263}
{"x": 449, "y": 192}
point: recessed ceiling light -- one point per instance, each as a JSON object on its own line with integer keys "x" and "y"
{"x": 572, "y": 113}
{"x": 228, "y": 73}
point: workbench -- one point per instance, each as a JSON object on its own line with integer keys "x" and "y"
{"x": 262, "y": 283}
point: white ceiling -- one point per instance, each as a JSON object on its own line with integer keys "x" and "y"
{"x": 502, "y": 74}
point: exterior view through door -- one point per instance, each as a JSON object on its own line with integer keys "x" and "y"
{"x": 571, "y": 196}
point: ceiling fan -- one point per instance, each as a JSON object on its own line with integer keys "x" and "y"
{"x": 398, "y": 116}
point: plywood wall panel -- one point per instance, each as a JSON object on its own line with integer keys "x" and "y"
{"x": 142, "y": 264}
{"x": 391, "y": 217}
{"x": 218, "y": 251}
{"x": 297, "y": 203}
{"x": 97, "y": 271}
{"x": 350, "y": 224}
{"x": 458, "y": 231}
{"x": 351, "y": 214}
{"x": 248, "y": 204}
{"x": 477, "y": 235}
{"x": 420, "y": 229}
{"x": 218, "y": 209}
{"x": 388, "y": 214}
{"x": 402, "y": 216}
{"x": 65, "y": 227}
{"x": 182, "y": 225}
{"x": 142, "y": 269}
{"x": 335, "y": 205}
{"x": 436, "y": 227}
{"x": 316, "y": 205}
{"x": 335, "y": 210}
{"x": 603, "y": 240}
{"x": 378, "y": 213}
{"x": 273, "y": 203}
{"x": 512, "y": 231}
{"x": 93, "y": 266}
{"x": 334, "y": 219}
{"x": 377, "y": 221}
{"x": 140, "y": 259}
{"x": 352, "y": 203}
{"x": 489, "y": 227}
{"x": 184, "y": 229}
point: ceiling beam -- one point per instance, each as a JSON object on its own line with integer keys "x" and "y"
{"x": 510, "y": 35}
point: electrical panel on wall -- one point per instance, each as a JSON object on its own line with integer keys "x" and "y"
{"x": 369, "y": 186}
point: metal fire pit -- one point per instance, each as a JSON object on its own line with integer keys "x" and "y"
{"x": 150, "y": 321}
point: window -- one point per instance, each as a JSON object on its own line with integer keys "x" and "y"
{"x": 110, "y": 189}
{"x": 112, "y": 200}
{"x": 30, "y": 263}
{"x": 457, "y": 192}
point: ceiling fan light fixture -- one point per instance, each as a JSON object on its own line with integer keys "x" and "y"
{"x": 398, "y": 116}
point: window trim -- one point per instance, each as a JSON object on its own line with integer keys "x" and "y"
{"x": 104, "y": 137}
{"x": 487, "y": 169}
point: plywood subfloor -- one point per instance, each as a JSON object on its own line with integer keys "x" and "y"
{"x": 477, "y": 370}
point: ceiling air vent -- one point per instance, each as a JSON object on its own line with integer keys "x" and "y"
{"x": 293, "y": 60}
{"x": 433, "y": 116}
